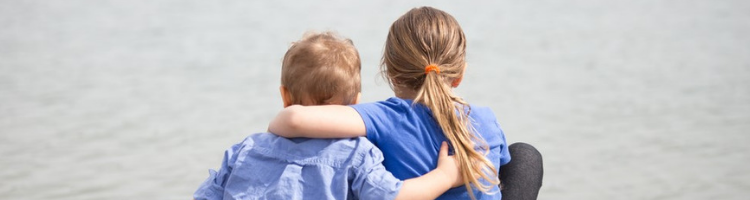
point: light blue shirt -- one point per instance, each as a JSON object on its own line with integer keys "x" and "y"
{"x": 266, "y": 166}
{"x": 410, "y": 139}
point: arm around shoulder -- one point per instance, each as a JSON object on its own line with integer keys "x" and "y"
{"x": 326, "y": 121}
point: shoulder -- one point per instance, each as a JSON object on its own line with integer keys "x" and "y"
{"x": 365, "y": 145}
{"x": 391, "y": 109}
{"x": 482, "y": 111}
{"x": 344, "y": 144}
{"x": 483, "y": 114}
{"x": 364, "y": 151}
{"x": 274, "y": 146}
{"x": 261, "y": 139}
{"x": 249, "y": 141}
{"x": 362, "y": 146}
{"x": 483, "y": 119}
{"x": 252, "y": 138}
{"x": 383, "y": 116}
{"x": 393, "y": 103}
{"x": 308, "y": 151}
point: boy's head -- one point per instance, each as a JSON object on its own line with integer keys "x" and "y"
{"x": 320, "y": 69}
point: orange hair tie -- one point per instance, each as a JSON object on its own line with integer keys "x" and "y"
{"x": 431, "y": 68}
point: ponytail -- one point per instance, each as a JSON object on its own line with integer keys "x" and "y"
{"x": 425, "y": 51}
{"x": 451, "y": 114}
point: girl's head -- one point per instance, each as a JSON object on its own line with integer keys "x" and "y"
{"x": 424, "y": 57}
{"x": 421, "y": 37}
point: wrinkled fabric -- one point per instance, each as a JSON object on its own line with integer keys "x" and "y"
{"x": 266, "y": 166}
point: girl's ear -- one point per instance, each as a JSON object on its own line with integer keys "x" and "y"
{"x": 457, "y": 81}
{"x": 286, "y": 97}
{"x": 460, "y": 78}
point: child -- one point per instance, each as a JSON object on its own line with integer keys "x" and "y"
{"x": 424, "y": 58}
{"x": 320, "y": 69}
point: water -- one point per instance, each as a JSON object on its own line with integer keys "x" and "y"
{"x": 625, "y": 99}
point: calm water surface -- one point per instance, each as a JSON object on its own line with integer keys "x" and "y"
{"x": 626, "y": 99}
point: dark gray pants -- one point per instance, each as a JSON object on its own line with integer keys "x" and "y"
{"x": 521, "y": 178}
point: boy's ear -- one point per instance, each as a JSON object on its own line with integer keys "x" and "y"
{"x": 356, "y": 100}
{"x": 286, "y": 97}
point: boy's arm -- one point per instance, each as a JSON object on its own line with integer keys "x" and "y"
{"x": 436, "y": 182}
{"x": 325, "y": 121}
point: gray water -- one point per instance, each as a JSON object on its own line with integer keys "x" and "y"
{"x": 641, "y": 99}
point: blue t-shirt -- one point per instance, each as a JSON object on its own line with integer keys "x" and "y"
{"x": 410, "y": 139}
{"x": 266, "y": 166}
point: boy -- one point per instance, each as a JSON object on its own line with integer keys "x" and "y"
{"x": 319, "y": 69}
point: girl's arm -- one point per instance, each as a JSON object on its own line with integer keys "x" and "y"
{"x": 325, "y": 121}
{"x": 435, "y": 182}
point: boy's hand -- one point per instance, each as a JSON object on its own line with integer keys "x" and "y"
{"x": 448, "y": 166}
{"x": 434, "y": 183}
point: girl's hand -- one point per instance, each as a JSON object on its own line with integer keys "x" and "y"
{"x": 448, "y": 166}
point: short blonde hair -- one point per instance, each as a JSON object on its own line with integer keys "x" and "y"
{"x": 322, "y": 68}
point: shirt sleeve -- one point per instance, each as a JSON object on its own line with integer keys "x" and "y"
{"x": 504, "y": 152}
{"x": 213, "y": 186}
{"x": 371, "y": 179}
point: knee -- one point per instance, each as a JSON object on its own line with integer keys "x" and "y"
{"x": 525, "y": 164}
{"x": 527, "y": 155}
{"x": 525, "y": 149}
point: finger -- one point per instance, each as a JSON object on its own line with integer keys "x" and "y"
{"x": 444, "y": 149}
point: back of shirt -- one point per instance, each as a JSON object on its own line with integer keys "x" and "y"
{"x": 266, "y": 166}
{"x": 410, "y": 139}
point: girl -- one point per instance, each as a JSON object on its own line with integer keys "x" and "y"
{"x": 424, "y": 59}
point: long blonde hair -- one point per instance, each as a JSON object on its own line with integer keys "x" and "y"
{"x": 427, "y": 36}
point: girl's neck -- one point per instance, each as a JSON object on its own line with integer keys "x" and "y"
{"x": 407, "y": 93}
{"x": 404, "y": 93}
